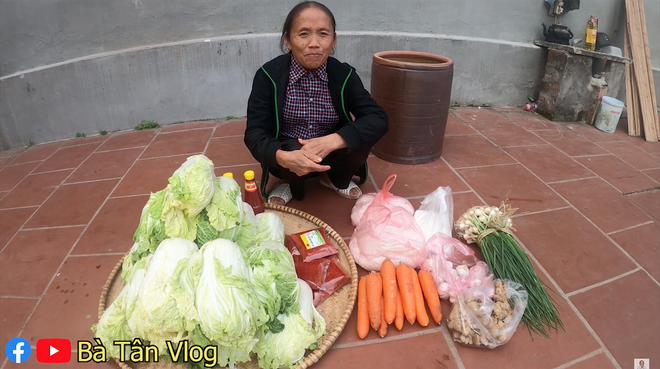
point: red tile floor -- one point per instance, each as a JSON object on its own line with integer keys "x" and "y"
{"x": 589, "y": 215}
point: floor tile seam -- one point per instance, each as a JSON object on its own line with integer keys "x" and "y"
{"x": 97, "y": 254}
{"x": 49, "y": 171}
{"x": 55, "y": 227}
{"x": 360, "y": 343}
{"x": 46, "y": 199}
{"x": 485, "y": 166}
{"x": 580, "y": 359}
{"x": 640, "y": 208}
{"x": 168, "y": 156}
{"x": 561, "y": 293}
{"x": 617, "y": 156}
{"x": 587, "y": 218}
{"x": 119, "y": 149}
{"x": 646, "y": 174}
{"x": 619, "y": 192}
{"x": 127, "y": 196}
{"x": 229, "y": 136}
{"x": 20, "y": 207}
{"x": 373, "y": 181}
{"x": 452, "y": 347}
{"x": 208, "y": 142}
{"x": 33, "y": 169}
{"x": 236, "y": 165}
{"x": 602, "y": 283}
{"x": 187, "y": 130}
{"x": 462, "y": 134}
{"x": 594, "y": 155}
{"x": 25, "y": 162}
{"x": 91, "y": 220}
{"x": 464, "y": 181}
{"x": 540, "y": 212}
{"x": 421, "y": 197}
{"x": 570, "y": 180}
{"x": 631, "y": 228}
{"x": 74, "y": 169}
{"x": 20, "y": 297}
{"x": 572, "y": 156}
{"x": 91, "y": 181}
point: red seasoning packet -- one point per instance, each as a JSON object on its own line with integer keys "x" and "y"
{"x": 312, "y": 272}
{"x": 313, "y": 244}
{"x": 335, "y": 278}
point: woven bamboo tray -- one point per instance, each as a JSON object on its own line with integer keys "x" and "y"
{"x": 336, "y": 309}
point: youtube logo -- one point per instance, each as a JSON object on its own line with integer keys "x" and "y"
{"x": 53, "y": 350}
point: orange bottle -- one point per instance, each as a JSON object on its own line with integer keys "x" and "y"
{"x": 252, "y": 195}
{"x": 228, "y": 174}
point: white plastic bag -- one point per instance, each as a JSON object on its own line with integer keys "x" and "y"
{"x": 436, "y": 213}
{"x": 387, "y": 231}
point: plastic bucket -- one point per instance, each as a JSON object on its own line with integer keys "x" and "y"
{"x": 608, "y": 114}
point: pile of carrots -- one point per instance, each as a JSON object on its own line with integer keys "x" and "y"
{"x": 395, "y": 293}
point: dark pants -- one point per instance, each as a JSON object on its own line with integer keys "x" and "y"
{"x": 343, "y": 165}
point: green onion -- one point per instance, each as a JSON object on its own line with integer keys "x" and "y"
{"x": 507, "y": 260}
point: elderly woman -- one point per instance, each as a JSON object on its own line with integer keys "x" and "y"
{"x": 309, "y": 114}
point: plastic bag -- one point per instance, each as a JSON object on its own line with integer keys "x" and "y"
{"x": 313, "y": 244}
{"x": 480, "y": 321}
{"x": 389, "y": 200}
{"x": 324, "y": 276}
{"x": 454, "y": 267}
{"x": 387, "y": 232}
{"x": 335, "y": 278}
{"x": 436, "y": 213}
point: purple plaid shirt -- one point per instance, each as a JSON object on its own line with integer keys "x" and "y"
{"x": 308, "y": 110}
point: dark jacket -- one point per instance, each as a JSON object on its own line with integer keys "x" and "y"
{"x": 266, "y": 102}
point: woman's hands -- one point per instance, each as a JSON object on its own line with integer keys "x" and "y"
{"x": 300, "y": 162}
{"x": 323, "y": 146}
{"x": 308, "y": 158}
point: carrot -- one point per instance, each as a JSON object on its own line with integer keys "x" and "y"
{"x": 388, "y": 274}
{"x": 420, "y": 309}
{"x": 382, "y": 330}
{"x": 374, "y": 297}
{"x": 431, "y": 295}
{"x": 398, "y": 320}
{"x": 407, "y": 291}
{"x": 363, "y": 309}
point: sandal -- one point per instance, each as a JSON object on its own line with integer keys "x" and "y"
{"x": 282, "y": 191}
{"x": 346, "y": 192}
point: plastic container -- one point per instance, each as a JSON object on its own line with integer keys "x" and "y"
{"x": 608, "y": 114}
{"x": 252, "y": 194}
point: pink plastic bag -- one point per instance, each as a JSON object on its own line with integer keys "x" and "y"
{"x": 389, "y": 200}
{"x": 455, "y": 268}
{"x": 388, "y": 231}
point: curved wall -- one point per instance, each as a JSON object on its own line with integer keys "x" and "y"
{"x": 71, "y": 66}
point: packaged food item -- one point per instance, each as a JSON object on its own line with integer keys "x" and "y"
{"x": 477, "y": 320}
{"x": 324, "y": 275}
{"x": 312, "y": 272}
{"x": 335, "y": 278}
{"x": 314, "y": 244}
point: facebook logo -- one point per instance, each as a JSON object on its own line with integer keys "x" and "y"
{"x": 18, "y": 350}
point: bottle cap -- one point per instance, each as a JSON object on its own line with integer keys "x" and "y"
{"x": 228, "y": 174}
{"x": 249, "y": 175}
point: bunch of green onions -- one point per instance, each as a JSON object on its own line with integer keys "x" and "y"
{"x": 490, "y": 228}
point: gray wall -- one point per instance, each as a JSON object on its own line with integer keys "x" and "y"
{"x": 72, "y": 66}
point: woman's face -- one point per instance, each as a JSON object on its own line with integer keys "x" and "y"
{"x": 312, "y": 38}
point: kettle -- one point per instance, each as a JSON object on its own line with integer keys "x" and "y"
{"x": 557, "y": 34}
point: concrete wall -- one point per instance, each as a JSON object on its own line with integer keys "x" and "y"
{"x": 72, "y": 66}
